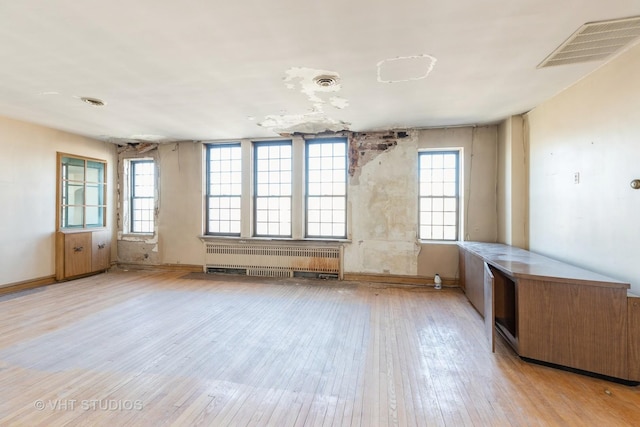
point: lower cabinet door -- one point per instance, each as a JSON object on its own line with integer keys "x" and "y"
{"x": 101, "y": 250}
{"x": 77, "y": 254}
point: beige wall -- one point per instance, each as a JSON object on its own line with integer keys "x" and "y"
{"x": 512, "y": 183}
{"x": 479, "y": 145}
{"x": 28, "y": 195}
{"x": 592, "y": 129}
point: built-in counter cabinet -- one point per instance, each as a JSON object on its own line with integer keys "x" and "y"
{"x": 555, "y": 313}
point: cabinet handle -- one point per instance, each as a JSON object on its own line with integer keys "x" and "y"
{"x": 101, "y": 245}
{"x": 78, "y": 249}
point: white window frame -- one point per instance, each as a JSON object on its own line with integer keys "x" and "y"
{"x": 298, "y": 191}
{"x": 457, "y": 197}
{"x": 126, "y": 225}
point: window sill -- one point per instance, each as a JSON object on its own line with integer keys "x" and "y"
{"x": 440, "y": 242}
{"x": 138, "y": 237}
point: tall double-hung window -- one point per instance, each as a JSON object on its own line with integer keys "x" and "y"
{"x": 273, "y": 188}
{"x": 224, "y": 189}
{"x": 143, "y": 187}
{"x": 326, "y": 193}
{"x": 439, "y": 200}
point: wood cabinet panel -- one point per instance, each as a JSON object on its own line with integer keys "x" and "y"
{"x": 101, "y": 250}
{"x": 634, "y": 337}
{"x": 77, "y": 254}
{"x": 571, "y": 325}
{"x": 489, "y": 313}
{"x": 474, "y": 281}
{"x": 82, "y": 252}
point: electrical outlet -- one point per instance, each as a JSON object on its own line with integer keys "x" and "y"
{"x": 576, "y": 177}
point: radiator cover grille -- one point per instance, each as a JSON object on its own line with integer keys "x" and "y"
{"x": 273, "y": 260}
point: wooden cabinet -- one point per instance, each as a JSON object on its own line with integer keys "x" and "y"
{"x": 83, "y": 252}
{"x": 555, "y": 313}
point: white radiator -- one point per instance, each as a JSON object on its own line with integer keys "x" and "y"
{"x": 273, "y": 260}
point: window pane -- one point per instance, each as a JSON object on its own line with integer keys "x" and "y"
{"x": 94, "y": 216}
{"x": 73, "y": 216}
{"x": 438, "y": 195}
{"x": 326, "y": 187}
{"x": 94, "y": 195}
{"x": 74, "y": 194}
{"x": 143, "y": 183}
{"x": 273, "y": 188}
{"x": 224, "y": 172}
{"x": 95, "y": 172}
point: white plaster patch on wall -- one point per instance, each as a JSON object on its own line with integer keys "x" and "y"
{"x": 405, "y": 68}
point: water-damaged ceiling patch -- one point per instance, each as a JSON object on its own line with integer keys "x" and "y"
{"x": 320, "y": 88}
{"x": 315, "y": 122}
{"x": 311, "y": 82}
{"x": 405, "y": 68}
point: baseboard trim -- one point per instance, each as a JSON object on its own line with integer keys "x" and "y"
{"x": 24, "y": 285}
{"x": 391, "y": 278}
{"x": 191, "y": 268}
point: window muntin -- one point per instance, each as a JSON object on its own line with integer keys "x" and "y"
{"x": 439, "y": 195}
{"x": 326, "y": 188}
{"x": 272, "y": 188}
{"x": 224, "y": 189}
{"x": 143, "y": 184}
{"x": 82, "y": 192}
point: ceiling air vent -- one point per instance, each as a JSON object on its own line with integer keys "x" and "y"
{"x": 594, "y": 41}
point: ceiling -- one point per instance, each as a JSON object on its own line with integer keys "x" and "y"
{"x": 211, "y": 70}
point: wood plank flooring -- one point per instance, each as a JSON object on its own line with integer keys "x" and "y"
{"x": 147, "y": 348}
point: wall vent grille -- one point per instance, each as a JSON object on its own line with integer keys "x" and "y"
{"x": 595, "y": 41}
{"x": 273, "y": 260}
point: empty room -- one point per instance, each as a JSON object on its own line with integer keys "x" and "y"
{"x": 296, "y": 213}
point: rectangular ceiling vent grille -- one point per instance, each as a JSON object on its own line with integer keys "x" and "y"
{"x": 595, "y": 41}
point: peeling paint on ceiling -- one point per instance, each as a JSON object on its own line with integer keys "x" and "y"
{"x": 309, "y": 82}
{"x": 405, "y": 68}
{"x": 304, "y": 78}
{"x": 316, "y": 122}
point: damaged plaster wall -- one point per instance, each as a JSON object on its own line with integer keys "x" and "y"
{"x": 179, "y": 208}
{"x": 383, "y": 198}
{"x": 383, "y": 203}
{"x": 136, "y": 248}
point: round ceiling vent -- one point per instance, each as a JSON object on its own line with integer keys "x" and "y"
{"x": 93, "y": 101}
{"x": 325, "y": 80}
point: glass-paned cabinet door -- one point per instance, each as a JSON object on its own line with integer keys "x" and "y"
{"x": 82, "y": 189}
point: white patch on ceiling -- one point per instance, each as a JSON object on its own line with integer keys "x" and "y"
{"x": 315, "y": 122}
{"x": 339, "y": 102}
{"x": 148, "y": 137}
{"x": 305, "y": 78}
{"x": 318, "y": 86}
{"x": 405, "y": 68}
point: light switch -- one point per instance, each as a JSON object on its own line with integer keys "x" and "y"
{"x": 576, "y": 177}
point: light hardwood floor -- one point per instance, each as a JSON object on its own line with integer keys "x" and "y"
{"x": 155, "y": 348}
